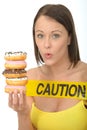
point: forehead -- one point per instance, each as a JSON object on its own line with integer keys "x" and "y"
{"x": 47, "y": 23}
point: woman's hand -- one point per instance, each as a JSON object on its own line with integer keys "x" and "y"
{"x": 17, "y": 101}
{"x": 22, "y": 105}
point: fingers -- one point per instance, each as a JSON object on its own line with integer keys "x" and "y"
{"x": 10, "y": 99}
{"x": 22, "y": 100}
{"x": 16, "y": 100}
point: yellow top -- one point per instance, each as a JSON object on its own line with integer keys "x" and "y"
{"x": 74, "y": 118}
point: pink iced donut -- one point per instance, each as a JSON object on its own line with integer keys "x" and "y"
{"x": 15, "y": 64}
{"x": 10, "y": 88}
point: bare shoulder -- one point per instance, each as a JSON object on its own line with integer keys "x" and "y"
{"x": 83, "y": 66}
{"x": 83, "y": 70}
{"x": 33, "y": 73}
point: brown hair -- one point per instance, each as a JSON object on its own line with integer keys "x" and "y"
{"x": 62, "y": 15}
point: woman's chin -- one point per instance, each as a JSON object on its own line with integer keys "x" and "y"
{"x": 50, "y": 63}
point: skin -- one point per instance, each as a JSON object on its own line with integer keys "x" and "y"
{"x": 52, "y": 40}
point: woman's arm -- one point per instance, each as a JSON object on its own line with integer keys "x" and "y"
{"x": 24, "y": 122}
{"x": 22, "y": 105}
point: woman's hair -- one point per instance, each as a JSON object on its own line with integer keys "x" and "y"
{"x": 62, "y": 15}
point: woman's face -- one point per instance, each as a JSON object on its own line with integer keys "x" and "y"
{"x": 52, "y": 40}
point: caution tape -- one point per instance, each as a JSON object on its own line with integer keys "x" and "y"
{"x": 56, "y": 89}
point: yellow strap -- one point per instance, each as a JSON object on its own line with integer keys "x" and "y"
{"x": 56, "y": 89}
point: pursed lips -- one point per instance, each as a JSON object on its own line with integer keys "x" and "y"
{"x": 48, "y": 55}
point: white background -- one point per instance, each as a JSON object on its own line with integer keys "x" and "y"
{"x": 16, "y": 20}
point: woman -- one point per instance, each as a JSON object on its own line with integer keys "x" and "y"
{"x": 56, "y": 49}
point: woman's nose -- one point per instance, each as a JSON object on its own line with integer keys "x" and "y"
{"x": 47, "y": 43}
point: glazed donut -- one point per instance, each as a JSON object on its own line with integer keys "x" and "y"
{"x": 14, "y": 73}
{"x": 17, "y": 81}
{"x": 15, "y": 64}
{"x": 15, "y": 55}
{"x": 9, "y": 88}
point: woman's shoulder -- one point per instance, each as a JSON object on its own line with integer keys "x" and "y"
{"x": 83, "y": 65}
{"x": 79, "y": 72}
{"x": 33, "y": 73}
{"x": 83, "y": 70}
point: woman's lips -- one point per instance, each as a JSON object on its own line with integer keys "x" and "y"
{"x": 48, "y": 55}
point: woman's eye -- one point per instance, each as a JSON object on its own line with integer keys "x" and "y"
{"x": 55, "y": 36}
{"x": 40, "y": 36}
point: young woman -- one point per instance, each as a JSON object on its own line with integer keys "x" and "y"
{"x": 56, "y": 49}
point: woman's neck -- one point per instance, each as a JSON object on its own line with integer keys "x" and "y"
{"x": 57, "y": 68}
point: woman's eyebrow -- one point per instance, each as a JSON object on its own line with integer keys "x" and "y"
{"x": 39, "y": 31}
{"x": 51, "y": 31}
{"x": 56, "y": 31}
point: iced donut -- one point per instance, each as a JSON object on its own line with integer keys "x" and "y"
{"x": 15, "y": 64}
{"x": 14, "y": 73}
{"x": 17, "y": 81}
{"x": 15, "y": 55}
{"x": 10, "y": 88}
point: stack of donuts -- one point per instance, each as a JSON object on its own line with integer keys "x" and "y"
{"x": 15, "y": 73}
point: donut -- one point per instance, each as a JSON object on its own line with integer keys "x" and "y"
{"x": 10, "y": 88}
{"x": 14, "y": 73}
{"x": 17, "y": 81}
{"x": 15, "y": 55}
{"x": 15, "y": 64}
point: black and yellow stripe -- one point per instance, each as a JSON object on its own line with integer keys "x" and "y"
{"x": 56, "y": 89}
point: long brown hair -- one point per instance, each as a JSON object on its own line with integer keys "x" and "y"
{"x": 61, "y": 14}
